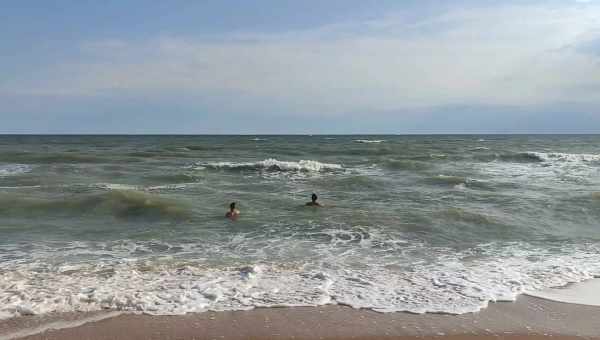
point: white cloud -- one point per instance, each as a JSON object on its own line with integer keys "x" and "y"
{"x": 505, "y": 55}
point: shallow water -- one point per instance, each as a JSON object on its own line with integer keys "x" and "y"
{"x": 412, "y": 223}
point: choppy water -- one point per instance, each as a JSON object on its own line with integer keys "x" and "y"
{"x": 412, "y": 223}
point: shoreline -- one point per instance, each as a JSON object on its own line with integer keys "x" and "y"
{"x": 527, "y": 318}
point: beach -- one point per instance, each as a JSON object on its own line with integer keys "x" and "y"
{"x": 437, "y": 234}
{"x": 527, "y": 318}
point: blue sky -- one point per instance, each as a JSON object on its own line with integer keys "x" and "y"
{"x": 300, "y": 66}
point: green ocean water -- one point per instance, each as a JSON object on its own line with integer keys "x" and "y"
{"x": 410, "y": 223}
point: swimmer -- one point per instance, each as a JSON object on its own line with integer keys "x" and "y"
{"x": 233, "y": 213}
{"x": 313, "y": 202}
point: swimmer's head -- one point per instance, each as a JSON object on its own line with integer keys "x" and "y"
{"x": 314, "y": 197}
{"x": 232, "y": 206}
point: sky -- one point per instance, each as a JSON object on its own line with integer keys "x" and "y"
{"x": 279, "y": 67}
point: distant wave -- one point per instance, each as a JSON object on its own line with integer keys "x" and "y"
{"x": 14, "y": 169}
{"x": 275, "y": 165}
{"x": 65, "y": 157}
{"x": 368, "y": 141}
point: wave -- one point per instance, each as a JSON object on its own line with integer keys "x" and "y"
{"x": 369, "y": 141}
{"x": 118, "y": 202}
{"x": 460, "y": 182}
{"x": 275, "y": 165}
{"x": 202, "y": 147}
{"x": 449, "y": 180}
{"x": 461, "y": 215}
{"x": 14, "y": 169}
{"x": 565, "y": 157}
{"x": 158, "y": 279}
{"x": 405, "y": 164}
{"x": 521, "y": 157}
{"x": 171, "y": 178}
{"x": 539, "y": 157}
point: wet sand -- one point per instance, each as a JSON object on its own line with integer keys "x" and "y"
{"x": 528, "y": 318}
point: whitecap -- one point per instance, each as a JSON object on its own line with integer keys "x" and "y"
{"x": 368, "y": 141}
{"x": 565, "y": 157}
{"x": 14, "y": 169}
{"x": 275, "y": 165}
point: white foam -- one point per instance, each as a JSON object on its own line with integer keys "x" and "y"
{"x": 14, "y": 169}
{"x": 582, "y": 293}
{"x": 359, "y": 267}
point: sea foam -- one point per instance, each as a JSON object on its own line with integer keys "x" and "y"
{"x": 167, "y": 278}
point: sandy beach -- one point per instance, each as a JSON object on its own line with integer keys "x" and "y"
{"x": 527, "y": 318}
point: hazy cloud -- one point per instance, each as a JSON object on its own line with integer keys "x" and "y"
{"x": 512, "y": 55}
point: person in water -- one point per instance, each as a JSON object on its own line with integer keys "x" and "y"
{"x": 313, "y": 202}
{"x": 233, "y": 213}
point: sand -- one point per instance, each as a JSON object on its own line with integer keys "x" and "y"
{"x": 527, "y": 318}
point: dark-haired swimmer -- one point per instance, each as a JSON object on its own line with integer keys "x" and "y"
{"x": 313, "y": 202}
{"x": 233, "y": 213}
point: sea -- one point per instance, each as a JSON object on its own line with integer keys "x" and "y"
{"x": 432, "y": 223}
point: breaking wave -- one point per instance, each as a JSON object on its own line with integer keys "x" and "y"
{"x": 538, "y": 157}
{"x": 565, "y": 157}
{"x": 275, "y": 165}
{"x": 369, "y": 141}
{"x": 14, "y": 169}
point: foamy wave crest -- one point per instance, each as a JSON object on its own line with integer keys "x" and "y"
{"x": 368, "y": 141}
{"x": 565, "y": 157}
{"x": 341, "y": 268}
{"x": 275, "y": 165}
{"x": 14, "y": 169}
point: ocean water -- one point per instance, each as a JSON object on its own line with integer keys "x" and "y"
{"x": 410, "y": 223}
